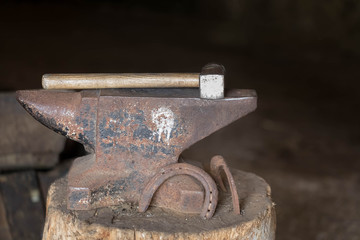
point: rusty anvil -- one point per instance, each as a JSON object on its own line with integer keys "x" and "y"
{"x": 135, "y": 136}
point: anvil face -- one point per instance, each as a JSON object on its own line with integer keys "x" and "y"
{"x": 130, "y": 134}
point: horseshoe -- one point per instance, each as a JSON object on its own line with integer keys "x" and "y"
{"x": 216, "y": 164}
{"x": 211, "y": 192}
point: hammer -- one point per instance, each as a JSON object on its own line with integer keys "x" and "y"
{"x": 210, "y": 81}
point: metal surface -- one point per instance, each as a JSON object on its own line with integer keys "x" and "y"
{"x": 216, "y": 164}
{"x": 176, "y": 193}
{"x": 211, "y": 192}
{"x": 212, "y": 81}
{"x": 130, "y": 135}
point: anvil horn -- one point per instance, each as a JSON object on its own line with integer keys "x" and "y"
{"x": 54, "y": 109}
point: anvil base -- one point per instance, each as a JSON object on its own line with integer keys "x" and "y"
{"x": 90, "y": 187}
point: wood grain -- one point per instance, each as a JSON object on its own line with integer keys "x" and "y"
{"x": 121, "y": 80}
{"x": 4, "y": 226}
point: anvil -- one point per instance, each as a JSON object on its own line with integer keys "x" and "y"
{"x": 131, "y": 136}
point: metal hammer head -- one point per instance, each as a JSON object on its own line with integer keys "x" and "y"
{"x": 212, "y": 81}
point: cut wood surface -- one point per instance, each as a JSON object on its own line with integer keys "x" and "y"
{"x": 120, "y": 80}
{"x": 257, "y": 220}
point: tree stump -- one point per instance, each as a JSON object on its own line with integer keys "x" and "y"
{"x": 257, "y": 219}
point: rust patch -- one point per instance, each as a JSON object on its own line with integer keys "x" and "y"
{"x": 217, "y": 164}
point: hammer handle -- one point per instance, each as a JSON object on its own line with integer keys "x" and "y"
{"x": 120, "y": 80}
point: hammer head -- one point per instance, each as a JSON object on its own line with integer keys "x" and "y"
{"x": 212, "y": 81}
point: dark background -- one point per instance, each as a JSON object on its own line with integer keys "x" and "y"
{"x": 302, "y": 57}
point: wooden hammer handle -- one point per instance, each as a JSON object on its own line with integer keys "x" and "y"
{"x": 120, "y": 80}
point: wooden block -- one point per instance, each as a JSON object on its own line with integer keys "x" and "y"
{"x": 124, "y": 222}
{"x": 25, "y": 142}
{"x": 23, "y": 204}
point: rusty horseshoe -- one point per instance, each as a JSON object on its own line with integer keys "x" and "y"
{"x": 211, "y": 192}
{"x": 216, "y": 164}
